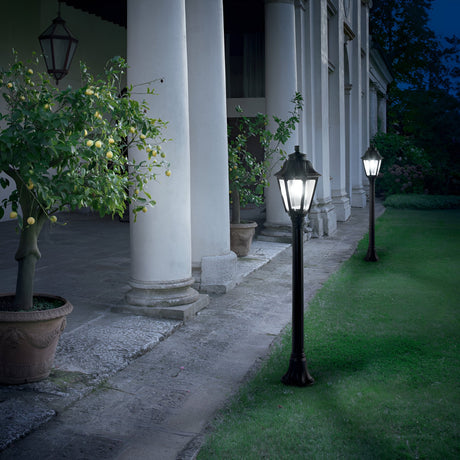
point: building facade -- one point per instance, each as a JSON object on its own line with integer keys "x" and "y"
{"x": 210, "y": 56}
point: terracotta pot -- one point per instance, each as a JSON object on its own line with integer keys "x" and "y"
{"x": 28, "y": 342}
{"x": 241, "y": 237}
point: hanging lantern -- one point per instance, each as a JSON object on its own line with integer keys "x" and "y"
{"x": 58, "y": 47}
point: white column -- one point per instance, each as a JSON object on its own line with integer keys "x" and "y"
{"x": 337, "y": 121}
{"x": 280, "y": 88}
{"x": 301, "y": 43}
{"x": 309, "y": 108}
{"x": 365, "y": 74}
{"x": 358, "y": 198}
{"x": 161, "y": 238}
{"x": 322, "y": 216}
{"x": 382, "y": 113}
{"x": 214, "y": 264}
{"x": 373, "y": 110}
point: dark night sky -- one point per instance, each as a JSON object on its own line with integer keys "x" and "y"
{"x": 445, "y": 17}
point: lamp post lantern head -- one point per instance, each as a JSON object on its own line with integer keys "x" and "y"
{"x": 372, "y": 161}
{"x": 297, "y": 181}
{"x": 58, "y": 47}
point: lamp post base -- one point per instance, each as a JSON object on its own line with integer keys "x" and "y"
{"x": 371, "y": 256}
{"x": 297, "y": 374}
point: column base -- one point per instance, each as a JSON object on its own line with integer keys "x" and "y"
{"x": 217, "y": 274}
{"x": 168, "y": 299}
{"x": 358, "y": 197}
{"x": 342, "y": 207}
{"x": 177, "y": 312}
{"x": 323, "y": 219}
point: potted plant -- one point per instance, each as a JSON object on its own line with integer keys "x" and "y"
{"x": 63, "y": 150}
{"x": 248, "y": 175}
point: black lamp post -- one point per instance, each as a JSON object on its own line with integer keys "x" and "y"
{"x": 58, "y": 47}
{"x": 372, "y": 161}
{"x": 297, "y": 181}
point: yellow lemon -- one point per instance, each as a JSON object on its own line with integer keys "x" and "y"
{"x": 10, "y": 85}
{"x": 13, "y": 215}
{"x": 30, "y": 71}
{"x": 47, "y": 106}
{"x": 144, "y": 209}
{"x": 30, "y": 185}
{"x": 98, "y": 144}
{"x": 30, "y": 220}
{"x": 89, "y": 143}
{"x": 111, "y": 141}
{"x": 53, "y": 219}
{"x": 136, "y": 192}
{"x": 142, "y": 136}
{"x": 132, "y": 129}
{"x": 109, "y": 155}
{"x": 154, "y": 153}
{"x": 89, "y": 92}
{"x": 168, "y": 172}
{"x": 22, "y": 98}
{"x": 85, "y": 132}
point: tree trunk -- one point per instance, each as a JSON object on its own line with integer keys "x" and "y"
{"x": 236, "y": 218}
{"x": 27, "y": 256}
{"x": 27, "y": 253}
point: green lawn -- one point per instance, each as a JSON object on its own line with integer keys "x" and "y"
{"x": 381, "y": 341}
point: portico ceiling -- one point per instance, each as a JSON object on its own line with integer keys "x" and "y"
{"x": 115, "y": 11}
{"x": 110, "y": 10}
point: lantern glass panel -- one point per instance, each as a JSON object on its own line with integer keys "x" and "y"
{"x": 372, "y": 167}
{"x": 309, "y": 192}
{"x": 47, "y": 52}
{"x": 296, "y": 191}
{"x": 282, "y": 184}
{"x": 60, "y": 53}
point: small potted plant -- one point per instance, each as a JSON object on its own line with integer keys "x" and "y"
{"x": 248, "y": 175}
{"x": 62, "y": 150}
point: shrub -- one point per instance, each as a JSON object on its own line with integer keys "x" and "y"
{"x": 414, "y": 201}
{"x": 405, "y": 167}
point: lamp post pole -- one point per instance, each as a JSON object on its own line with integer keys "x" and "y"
{"x": 297, "y": 373}
{"x": 297, "y": 181}
{"x": 371, "y": 255}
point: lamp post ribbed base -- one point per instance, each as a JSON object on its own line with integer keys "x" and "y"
{"x": 297, "y": 373}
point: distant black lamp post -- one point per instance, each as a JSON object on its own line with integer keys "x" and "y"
{"x": 372, "y": 161}
{"x": 58, "y": 47}
{"x": 297, "y": 181}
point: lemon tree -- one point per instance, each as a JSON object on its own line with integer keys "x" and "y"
{"x": 64, "y": 149}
